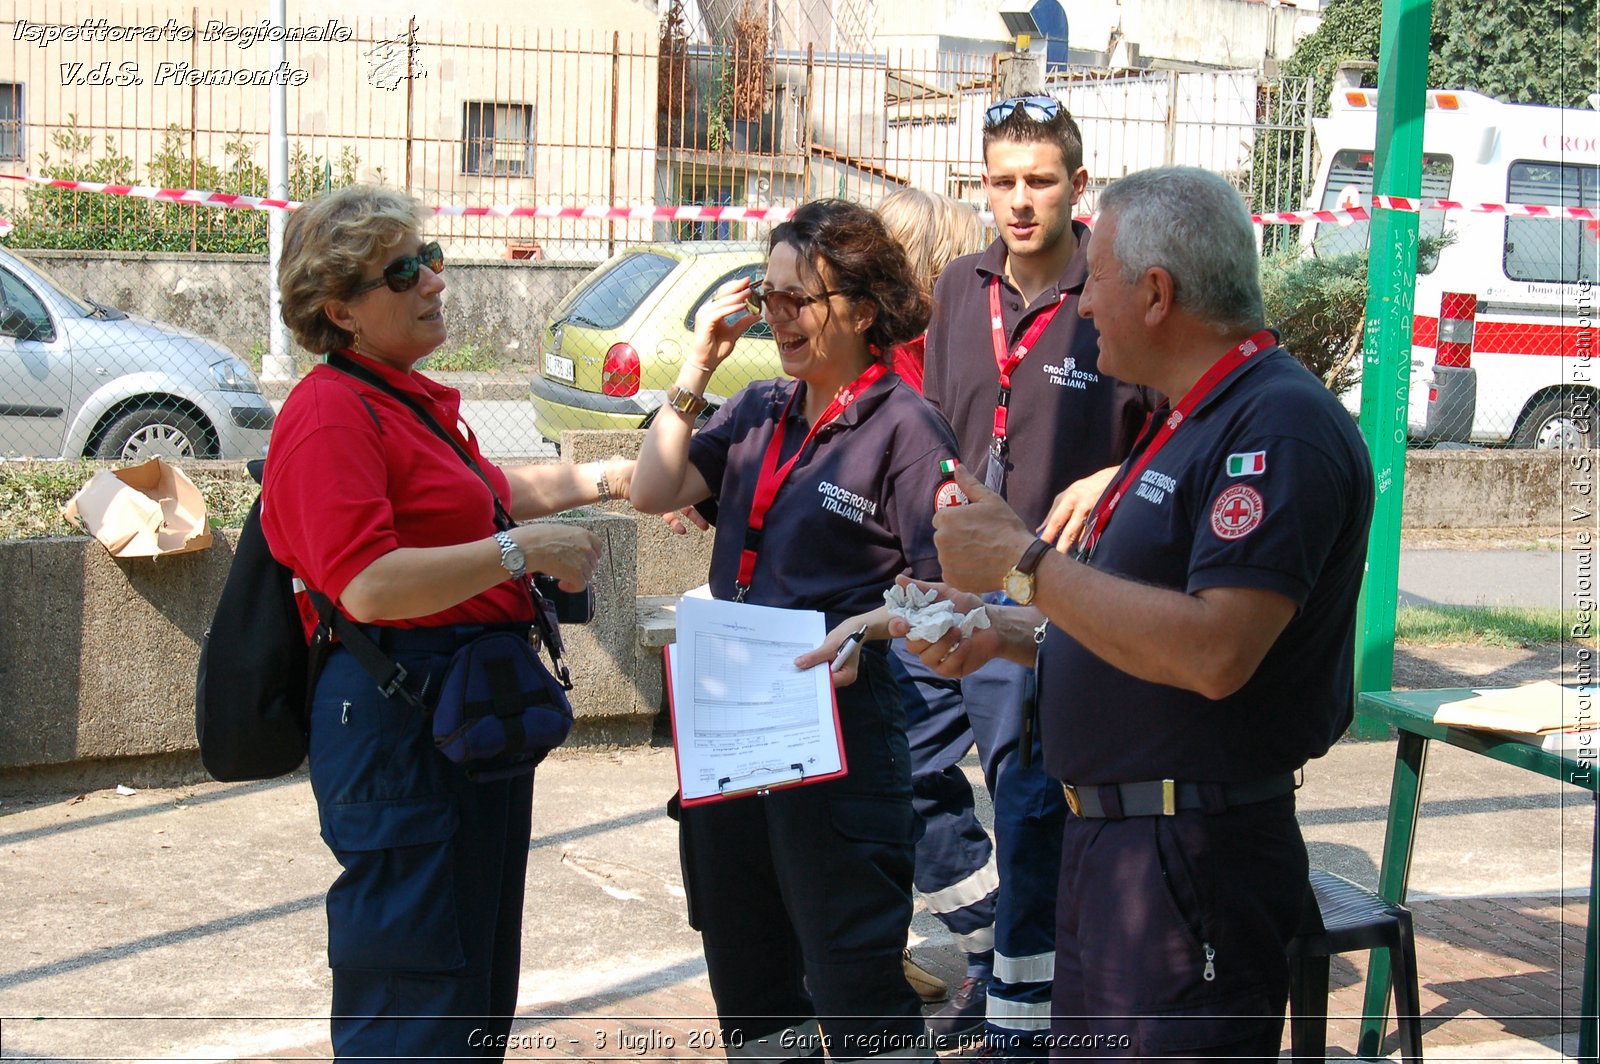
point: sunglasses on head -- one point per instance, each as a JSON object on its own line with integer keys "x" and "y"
{"x": 401, "y": 274}
{"x": 781, "y": 306}
{"x": 1038, "y": 108}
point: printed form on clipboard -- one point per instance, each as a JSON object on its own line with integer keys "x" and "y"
{"x": 744, "y": 719}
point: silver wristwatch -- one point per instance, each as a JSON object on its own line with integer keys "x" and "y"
{"x": 511, "y": 555}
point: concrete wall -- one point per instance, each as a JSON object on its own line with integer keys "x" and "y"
{"x": 489, "y": 303}
{"x": 1488, "y": 489}
{"x": 669, "y": 564}
{"x": 97, "y": 654}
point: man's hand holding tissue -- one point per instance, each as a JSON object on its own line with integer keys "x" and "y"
{"x": 1002, "y": 632}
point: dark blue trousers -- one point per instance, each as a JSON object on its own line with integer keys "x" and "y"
{"x": 425, "y": 921}
{"x": 1007, "y": 904}
{"x": 1172, "y": 934}
{"x": 803, "y": 896}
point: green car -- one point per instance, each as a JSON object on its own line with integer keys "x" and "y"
{"x": 615, "y": 343}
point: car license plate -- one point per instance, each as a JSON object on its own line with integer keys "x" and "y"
{"x": 557, "y": 366}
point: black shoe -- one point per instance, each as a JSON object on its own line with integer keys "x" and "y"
{"x": 963, "y": 1016}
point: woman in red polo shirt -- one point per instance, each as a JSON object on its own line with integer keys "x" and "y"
{"x": 370, "y": 507}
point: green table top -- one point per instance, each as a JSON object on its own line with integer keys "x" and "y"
{"x": 1413, "y": 711}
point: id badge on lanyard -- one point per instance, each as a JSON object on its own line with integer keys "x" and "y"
{"x": 772, "y": 476}
{"x": 1007, "y": 361}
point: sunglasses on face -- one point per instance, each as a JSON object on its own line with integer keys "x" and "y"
{"x": 781, "y": 306}
{"x": 401, "y": 274}
{"x": 1038, "y": 108}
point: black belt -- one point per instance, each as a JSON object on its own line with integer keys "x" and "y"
{"x": 1115, "y": 801}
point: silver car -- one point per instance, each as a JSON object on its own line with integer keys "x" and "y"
{"x": 81, "y": 379}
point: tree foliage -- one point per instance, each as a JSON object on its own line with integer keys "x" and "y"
{"x": 1522, "y": 51}
{"x": 1349, "y": 31}
{"x": 1317, "y": 305}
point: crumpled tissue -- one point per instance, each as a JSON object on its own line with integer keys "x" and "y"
{"x": 929, "y": 616}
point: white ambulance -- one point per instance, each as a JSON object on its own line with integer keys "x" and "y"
{"x": 1512, "y": 358}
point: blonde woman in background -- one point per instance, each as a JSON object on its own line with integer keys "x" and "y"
{"x": 935, "y": 230}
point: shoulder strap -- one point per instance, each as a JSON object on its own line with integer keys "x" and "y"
{"x": 387, "y": 673}
{"x": 549, "y": 632}
{"x": 354, "y": 369}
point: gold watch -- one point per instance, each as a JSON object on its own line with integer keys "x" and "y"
{"x": 684, "y": 401}
{"x": 1019, "y": 583}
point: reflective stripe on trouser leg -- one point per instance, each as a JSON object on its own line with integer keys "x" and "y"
{"x": 975, "y": 888}
{"x": 980, "y": 941}
{"x": 1020, "y": 1016}
{"x": 802, "y": 1041}
{"x": 1029, "y": 817}
{"x": 1019, "y": 995}
{"x": 1037, "y": 968}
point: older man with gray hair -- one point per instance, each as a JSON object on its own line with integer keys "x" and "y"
{"x": 1195, "y": 651}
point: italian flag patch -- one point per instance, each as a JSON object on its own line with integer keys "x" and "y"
{"x": 1247, "y": 464}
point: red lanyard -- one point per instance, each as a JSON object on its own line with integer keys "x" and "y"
{"x": 1008, "y": 361}
{"x": 1180, "y": 413}
{"x": 772, "y": 475}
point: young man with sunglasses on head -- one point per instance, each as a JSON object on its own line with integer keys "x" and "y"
{"x": 1015, "y": 371}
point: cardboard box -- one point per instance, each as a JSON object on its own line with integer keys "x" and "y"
{"x": 142, "y": 512}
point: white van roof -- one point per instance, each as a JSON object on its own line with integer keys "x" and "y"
{"x": 1472, "y": 128}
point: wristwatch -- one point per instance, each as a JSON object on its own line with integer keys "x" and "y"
{"x": 685, "y": 401}
{"x": 511, "y": 555}
{"x": 1019, "y": 584}
{"x": 602, "y": 486}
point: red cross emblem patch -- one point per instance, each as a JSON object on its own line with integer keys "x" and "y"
{"x": 1237, "y": 512}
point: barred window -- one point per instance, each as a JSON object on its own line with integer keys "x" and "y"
{"x": 11, "y": 146}
{"x": 712, "y": 190}
{"x": 1354, "y": 169}
{"x": 1552, "y": 249}
{"x": 497, "y": 139}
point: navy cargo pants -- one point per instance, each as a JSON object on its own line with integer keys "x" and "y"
{"x": 425, "y": 921}
{"x": 803, "y": 896}
{"x": 1172, "y": 933}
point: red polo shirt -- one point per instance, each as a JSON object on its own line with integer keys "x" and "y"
{"x": 349, "y": 481}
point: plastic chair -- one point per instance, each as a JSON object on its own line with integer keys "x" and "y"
{"x": 1353, "y": 918}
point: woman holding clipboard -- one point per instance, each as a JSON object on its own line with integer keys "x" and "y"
{"x": 825, "y": 485}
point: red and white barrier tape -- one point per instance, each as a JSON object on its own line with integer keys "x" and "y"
{"x": 651, "y": 213}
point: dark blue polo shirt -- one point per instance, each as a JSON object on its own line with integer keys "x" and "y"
{"x": 1266, "y": 485}
{"x": 1067, "y": 419}
{"x": 856, "y": 510}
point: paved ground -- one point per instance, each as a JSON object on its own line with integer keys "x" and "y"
{"x": 186, "y": 923}
{"x": 1503, "y": 577}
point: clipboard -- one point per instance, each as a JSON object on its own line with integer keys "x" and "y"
{"x": 758, "y": 782}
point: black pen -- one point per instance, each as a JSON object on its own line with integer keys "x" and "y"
{"x": 850, "y": 643}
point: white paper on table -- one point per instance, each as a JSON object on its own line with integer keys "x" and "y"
{"x": 743, "y": 717}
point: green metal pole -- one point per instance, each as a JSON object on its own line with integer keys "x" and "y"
{"x": 1386, "y": 344}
